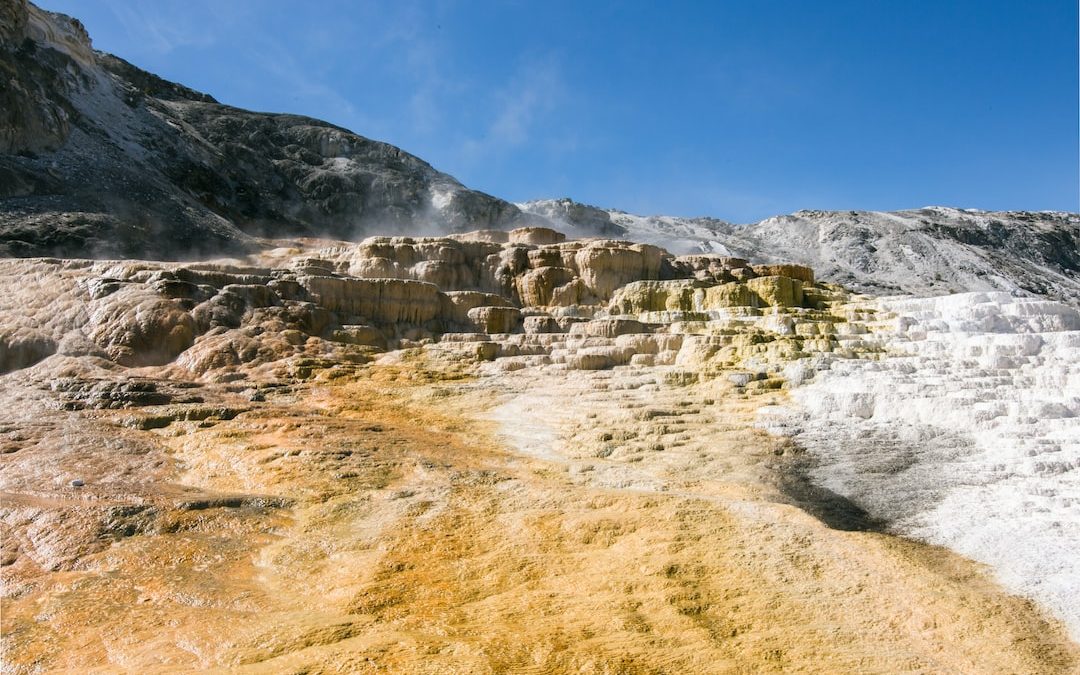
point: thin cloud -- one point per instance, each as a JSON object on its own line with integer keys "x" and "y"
{"x": 523, "y": 104}
{"x": 163, "y": 28}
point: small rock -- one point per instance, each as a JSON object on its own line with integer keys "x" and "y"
{"x": 78, "y": 482}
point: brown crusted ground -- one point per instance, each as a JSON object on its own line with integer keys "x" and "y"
{"x": 419, "y": 541}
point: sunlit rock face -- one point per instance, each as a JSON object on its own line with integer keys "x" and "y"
{"x": 215, "y": 317}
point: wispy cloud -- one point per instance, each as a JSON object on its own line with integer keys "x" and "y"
{"x": 410, "y": 40}
{"x": 278, "y": 61}
{"x": 520, "y": 106}
{"x": 160, "y": 28}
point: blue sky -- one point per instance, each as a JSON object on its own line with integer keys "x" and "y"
{"x": 739, "y": 110}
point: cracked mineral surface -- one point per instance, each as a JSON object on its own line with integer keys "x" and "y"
{"x": 504, "y": 452}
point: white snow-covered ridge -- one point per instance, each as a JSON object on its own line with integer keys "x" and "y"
{"x": 675, "y": 234}
{"x": 930, "y": 251}
{"x": 966, "y": 435}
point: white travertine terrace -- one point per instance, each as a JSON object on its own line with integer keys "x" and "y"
{"x": 967, "y": 434}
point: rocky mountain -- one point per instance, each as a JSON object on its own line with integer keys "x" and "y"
{"x": 928, "y": 251}
{"x": 100, "y": 158}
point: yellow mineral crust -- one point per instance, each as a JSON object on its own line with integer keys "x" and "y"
{"x": 422, "y": 536}
{"x": 491, "y": 453}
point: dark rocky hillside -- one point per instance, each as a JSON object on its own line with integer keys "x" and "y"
{"x": 100, "y": 158}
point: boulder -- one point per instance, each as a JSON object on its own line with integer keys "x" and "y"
{"x": 777, "y": 291}
{"x": 383, "y": 301}
{"x": 535, "y": 325}
{"x": 537, "y": 236}
{"x": 495, "y": 319}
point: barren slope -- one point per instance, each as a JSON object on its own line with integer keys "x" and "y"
{"x": 490, "y": 453}
{"x": 929, "y": 251}
{"x": 100, "y": 158}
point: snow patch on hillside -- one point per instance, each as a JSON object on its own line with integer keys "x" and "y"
{"x": 677, "y": 235}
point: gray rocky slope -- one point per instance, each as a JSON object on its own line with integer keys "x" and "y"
{"x": 98, "y": 157}
{"x": 101, "y": 159}
{"x": 928, "y": 251}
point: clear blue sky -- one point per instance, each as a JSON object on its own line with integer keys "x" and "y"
{"x": 738, "y": 110}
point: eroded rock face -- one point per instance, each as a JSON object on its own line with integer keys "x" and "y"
{"x": 776, "y": 291}
{"x": 800, "y": 272}
{"x": 605, "y": 266}
{"x": 386, "y": 301}
{"x": 35, "y": 118}
{"x": 13, "y": 18}
{"x": 537, "y": 287}
{"x": 23, "y": 346}
{"x": 136, "y": 327}
{"x": 214, "y": 319}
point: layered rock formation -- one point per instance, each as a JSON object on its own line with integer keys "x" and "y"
{"x": 292, "y": 460}
{"x": 100, "y": 158}
{"x": 383, "y": 291}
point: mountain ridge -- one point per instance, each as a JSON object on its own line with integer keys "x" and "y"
{"x": 99, "y": 158}
{"x": 927, "y": 251}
